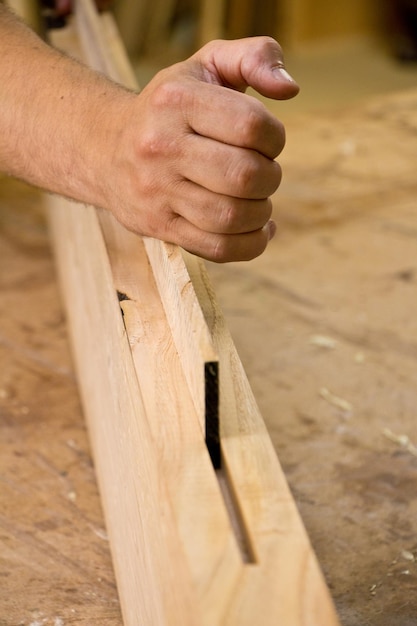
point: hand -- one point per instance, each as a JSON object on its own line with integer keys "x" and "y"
{"x": 195, "y": 161}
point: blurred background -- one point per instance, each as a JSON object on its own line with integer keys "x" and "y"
{"x": 339, "y": 52}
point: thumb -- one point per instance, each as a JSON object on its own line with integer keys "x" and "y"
{"x": 252, "y": 62}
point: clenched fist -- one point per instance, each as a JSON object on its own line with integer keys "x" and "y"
{"x": 195, "y": 160}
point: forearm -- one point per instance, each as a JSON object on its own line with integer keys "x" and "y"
{"x": 58, "y": 119}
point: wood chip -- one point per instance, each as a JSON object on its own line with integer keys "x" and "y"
{"x": 71, "y": 495}
{"x": 407, "y": 555}
{"x": 323, "y": 342}
{"x": 401, "y": 440}
{"x": 336, "y": 401}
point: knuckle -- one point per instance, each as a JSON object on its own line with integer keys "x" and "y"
{"x": 226, "y": 248}
{"x": 242, "y": 175}
{"x": 275, "y": 179}
{"x": 263, "y": 213}
{"x": 144, "y": 183}
{"x": 255, "y": 247}
{"x": 265, "y": 47}
{"x": 157, "y": 140}
{"x": 157, "y": 147}
{"x": 251, "y": 125}
{"x": 236, "y": 216}
{"x": 254, "y": 178}
{"x": 267, "y": 44}
{"x": 221, "y": 250}
{"x": 150, "y": 144}
{"x": 211, "y": 47}
{"x": 258, "y": 127}
{"x": 277, "y": 137}
{"x": 229, "y": 217}
{"x": 168, "y": 93}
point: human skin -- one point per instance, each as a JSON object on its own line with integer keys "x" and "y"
{"x": 190, "y": 160}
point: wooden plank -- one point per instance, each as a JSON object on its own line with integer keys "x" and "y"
{"x": 158, "y": 418}
{"x": 202, "y": 520}
{"x": 153, "y": 576}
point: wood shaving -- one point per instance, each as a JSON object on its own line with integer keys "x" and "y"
{"x": 101, "y": 534}
{"x": 407, "y": 555}
{"x": 401, "y": 440}
{"x": 336, "y": 401}
{"x": 323, "y": 342}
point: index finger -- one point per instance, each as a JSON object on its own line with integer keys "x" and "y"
{"x": 235, "y": 118}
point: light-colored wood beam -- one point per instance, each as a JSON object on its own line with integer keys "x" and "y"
{"x": 191, "y": 545}
{"x": 148, "y": 557}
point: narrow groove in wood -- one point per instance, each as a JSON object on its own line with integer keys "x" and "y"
{"x": 211, "y": 398}
{"x": 239, "y": 529}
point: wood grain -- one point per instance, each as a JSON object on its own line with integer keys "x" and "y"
{"x": 132, "y": 483}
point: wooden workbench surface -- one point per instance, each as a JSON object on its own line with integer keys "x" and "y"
{"x": 326, "y": 325}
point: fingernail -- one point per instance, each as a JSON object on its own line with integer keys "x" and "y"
{"x": 272, "y": 229}
{"x": 281, "y": 73}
